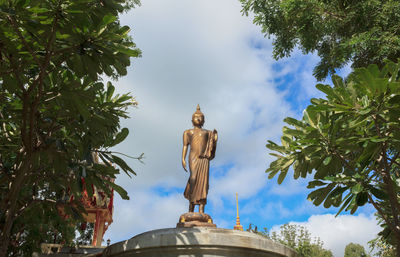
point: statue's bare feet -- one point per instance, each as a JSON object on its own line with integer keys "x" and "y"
{"x": 191, "y": 207}
{"x": 201, "y": 208}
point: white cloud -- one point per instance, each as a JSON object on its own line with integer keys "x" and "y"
{"x": 336, "y": 233}
{"x": 147, "y": 210}
{"x": 194, "y": 53}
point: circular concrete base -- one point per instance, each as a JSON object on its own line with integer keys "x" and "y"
{"x": 198, "y": 242}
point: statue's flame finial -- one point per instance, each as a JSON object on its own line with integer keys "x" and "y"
{"x": 198, "y": 111}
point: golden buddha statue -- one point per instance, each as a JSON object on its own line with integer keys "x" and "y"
{"x": 202, "y": 144}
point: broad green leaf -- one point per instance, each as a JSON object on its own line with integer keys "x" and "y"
{"x": 124, "y": 30}
{"x": 327, "y": 160}
{"x": 286, "y": 162}
{"x": 381, "y": 85}
{"x": 346, "y": 203}
{"x": 272, "y": 172}
{"x": 297, "y": 169}
{"x": 328, "y": 90}
{"x": 107, "y": 19}
{"x": 273, "y": 146}
{"x": 82, "y": 109}
{"x": 394, "y": 87}
{"x": 354, "y": 208}
{"x": 129, "y": 51}
{"x": 294, "y": 122}
{"x": 374, "y": 70}
{"x": 322, "y": 171}
{"x": 357, "y": 188}
{"x": 336, "y": 196}
{"x": 286, "y": 141}
{"x": 311, "y": 116}
{"x": 110, "y": 91}
{"x": 293, "y": 132}
{"x": 362, "y": 198}
{"x": 282, "y": 176}
{"x": 378, "y": 193}
{"x": 337, "y": 81}
{"x": 120, "y": 137}
{"x": 122, "y": 192}
{"x": 122, "y": 164}
{"x": 328, "y": 202}
{"x": 38, "y": 10}
{"x": 319, "y": 195}
{"x": 315, "y": 183}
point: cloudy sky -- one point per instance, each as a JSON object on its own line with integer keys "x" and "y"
{"x": 205, "y": 52}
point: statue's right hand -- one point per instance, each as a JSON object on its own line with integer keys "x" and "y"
{"x": 184, "y": 165}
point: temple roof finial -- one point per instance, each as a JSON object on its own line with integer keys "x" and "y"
{"x": 238, "y": 226}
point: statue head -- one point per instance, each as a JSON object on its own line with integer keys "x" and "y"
{"x": 198, "y": 118}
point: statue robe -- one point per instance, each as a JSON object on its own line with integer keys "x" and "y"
{"x": 199, "y": 163}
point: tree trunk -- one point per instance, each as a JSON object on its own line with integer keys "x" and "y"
{"x": 11, "y": 207}
{"x": 397, "y": 247}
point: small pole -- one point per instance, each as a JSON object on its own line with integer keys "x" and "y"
{"x": 238, "y": 226}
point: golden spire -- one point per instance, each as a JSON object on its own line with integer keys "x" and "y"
{"x": 238, "y": 226}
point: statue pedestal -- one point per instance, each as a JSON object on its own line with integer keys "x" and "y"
{"x": 199, "y": 242}
{"x": 195, "y": 219}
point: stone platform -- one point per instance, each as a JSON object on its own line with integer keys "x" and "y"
{"x": 198, "y": 242}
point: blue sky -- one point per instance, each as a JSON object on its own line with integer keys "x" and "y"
{"x": 205, "y": 52}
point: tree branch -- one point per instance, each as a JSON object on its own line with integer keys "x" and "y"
{"x": 393, "y": 199}
{"x": 16, "y": 72}
{"x": 33, "y": 202}
{"x": 39, "y": 82}
{"x": 382, "y": 213}
{"x": 13, "y": 23}
{"x": 48, "y": 52}
{"x": 140, "y": 157}
{"x": 393, "y": 160}
{"x": 4, "y": 128}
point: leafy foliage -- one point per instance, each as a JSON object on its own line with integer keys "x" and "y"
{"x": 355, "y": 250}
{"x": 359, "y": 32}
{"x": 349, "y": 144}
{"x": 382, "y": 248}
{"x": 56, "y": 113}
{"x": 41, "y": 223}
{"x": 298, "y": 238}
{"x": 86, "y": 231}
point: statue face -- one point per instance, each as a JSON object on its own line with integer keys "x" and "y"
{"x": 198, "y": 120}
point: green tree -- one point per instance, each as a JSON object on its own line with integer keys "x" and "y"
{"x": 298, "y": 238}
{"x": 357, "y": 32}
{"x": 56, "y": 113}
{"x": 382, "y": 249}
{"x": 354, "y": 250}
{"x": 349, "y": 145}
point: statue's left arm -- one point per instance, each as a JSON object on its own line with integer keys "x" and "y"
{"x": 215, "y": 133}
{"x": 211, "y": 144}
